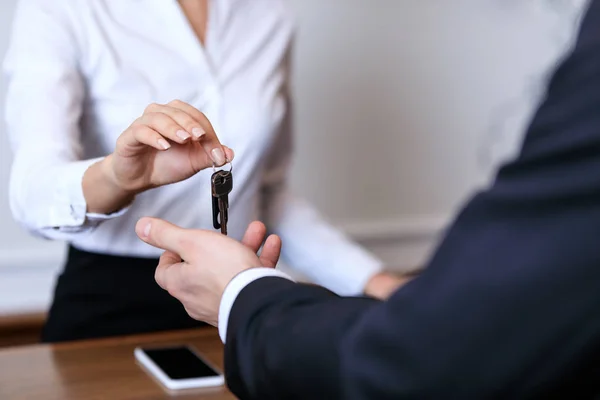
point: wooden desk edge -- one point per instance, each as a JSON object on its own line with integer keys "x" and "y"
{"x": 165, "y": 336}
{"x": 21, "y": 321}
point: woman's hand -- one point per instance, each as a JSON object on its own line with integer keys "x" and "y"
{"x": 167, "y": 144}
{"x": 384, "y": 284}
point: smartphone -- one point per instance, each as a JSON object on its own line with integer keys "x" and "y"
{"x": 179, "y": 367}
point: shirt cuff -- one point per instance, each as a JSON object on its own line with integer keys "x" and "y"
{"x": 72, "y": 210}
{"x": 233, "y": 289}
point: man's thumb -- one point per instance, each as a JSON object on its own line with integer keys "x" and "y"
{"x": 162, "y": 234}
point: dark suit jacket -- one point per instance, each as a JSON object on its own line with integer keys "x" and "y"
{"x": 509, "y": 306}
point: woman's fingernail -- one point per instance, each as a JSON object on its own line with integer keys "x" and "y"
{"x": 218, "y": 156}
{"x": 146, "y": 231}
{"x": 232, "y": 154}
{"x": 183, "y": 135}
{"x": 197, "y": 132}
{"x": 164, "y": 144}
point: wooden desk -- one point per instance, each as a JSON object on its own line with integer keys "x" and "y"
{"x": 99, "y": 369}
{"x": 21, "y": 329}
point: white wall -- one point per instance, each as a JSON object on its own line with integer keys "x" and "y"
{"x": 406, "y": 106}
{"x": 398, "y": 103}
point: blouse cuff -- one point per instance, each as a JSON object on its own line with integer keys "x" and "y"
{"x": 71, "y": 210}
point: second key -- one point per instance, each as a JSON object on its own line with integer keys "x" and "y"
{"x": 221, "y": 184}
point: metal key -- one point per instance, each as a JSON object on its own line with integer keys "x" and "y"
{"x": 222, "y": 184}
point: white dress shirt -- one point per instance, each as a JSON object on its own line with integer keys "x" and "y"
{"x": 80, "y": 72}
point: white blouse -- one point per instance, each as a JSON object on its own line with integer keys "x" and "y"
{"x": 80, "y": 72}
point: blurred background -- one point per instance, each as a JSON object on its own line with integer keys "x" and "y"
{"x": 429, "y": 98}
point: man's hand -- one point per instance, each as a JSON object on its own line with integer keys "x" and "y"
{"x": 197, "y": 265}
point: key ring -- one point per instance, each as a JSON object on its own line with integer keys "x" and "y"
{"x": 227, "y": 162}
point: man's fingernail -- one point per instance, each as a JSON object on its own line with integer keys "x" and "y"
{"x": 183, "y": 135}
{"x": 197, "y": 132}
{"x": 218, "y": 156}
{"x": 146, "y": 231}
{"x": 163, "y": 143}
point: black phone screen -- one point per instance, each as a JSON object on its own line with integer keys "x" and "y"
{"x": 180, "y": 363}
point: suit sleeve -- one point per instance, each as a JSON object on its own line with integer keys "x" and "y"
{"x": 509, "y": 306}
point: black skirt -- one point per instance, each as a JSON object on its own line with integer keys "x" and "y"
{"x": 100, "y": 295}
